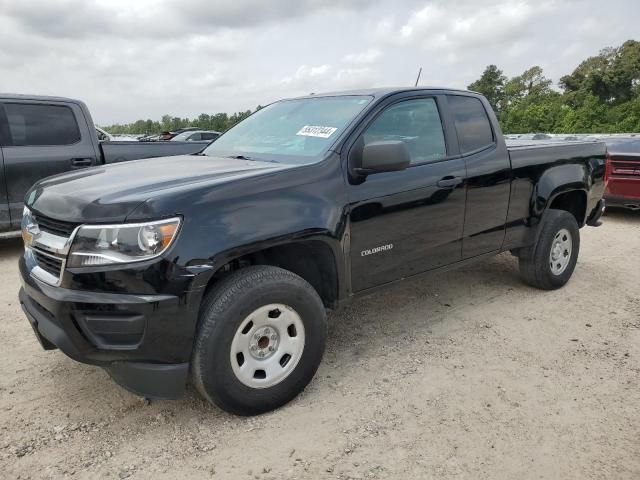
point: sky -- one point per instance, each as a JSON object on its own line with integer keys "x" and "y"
{"x": 132, "y": 59}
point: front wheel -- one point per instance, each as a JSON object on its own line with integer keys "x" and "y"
{"x": 261, "y": 338}
{"x": 549, "y": 264}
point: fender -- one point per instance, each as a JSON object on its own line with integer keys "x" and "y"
{"x": 334, "y": 244}
{"x": 300, "y": 205}
{"x": 537, "y": 183}
{"x": 556, "y": 181}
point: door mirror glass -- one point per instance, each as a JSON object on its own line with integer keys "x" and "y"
{"x": 385, "y": 156}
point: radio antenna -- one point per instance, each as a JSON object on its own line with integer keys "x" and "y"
{"x": 418, "y": 79}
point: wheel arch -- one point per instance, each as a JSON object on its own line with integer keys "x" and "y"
{"x": 559, "y": 187}
{"x": 556, "y": 182}
{"x": 572, "y": 201}
{"x": 316, "y": 259}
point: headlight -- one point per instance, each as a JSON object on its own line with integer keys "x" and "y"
{"x": 112, "y": 244}
{"x": 29, "y": 227}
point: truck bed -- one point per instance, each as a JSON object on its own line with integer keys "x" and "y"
{"x": 540, "y": 152}
{"x": 122, "y": 151}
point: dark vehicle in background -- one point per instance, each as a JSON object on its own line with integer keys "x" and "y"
{"x": 166, "y": 135}
{"x": 222, "y": 265}
{"x": 623, "y": 173}
{"x": 43, "y": 136}
{"x": 196, "y": 136}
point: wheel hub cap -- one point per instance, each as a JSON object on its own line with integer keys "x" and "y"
{"x": 267, "y": 346}
{"x": 264, "y": 342}
{"x": 560, "y": 254}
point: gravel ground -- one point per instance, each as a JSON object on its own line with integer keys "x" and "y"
{"x": 467, "y": 374}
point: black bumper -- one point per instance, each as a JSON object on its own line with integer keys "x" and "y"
{"x": 596, "y": 214}
{"x": 631, "y": 203}
{"x": 143, "y": 341}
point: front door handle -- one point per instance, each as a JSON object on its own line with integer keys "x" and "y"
{"x": 449, "y": 182}
{"x": 81, "y": 162}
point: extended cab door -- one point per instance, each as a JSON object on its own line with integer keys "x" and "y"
{"x": 406, "y": 222}
{"x": 488, "y": 174}
{"x": 45, "y": 138}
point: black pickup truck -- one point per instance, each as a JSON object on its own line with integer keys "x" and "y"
{"x": 43, "y": 136}
{"x": 220, "y": 266}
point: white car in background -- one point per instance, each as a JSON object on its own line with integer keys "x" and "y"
{"x": 196, "y": 136}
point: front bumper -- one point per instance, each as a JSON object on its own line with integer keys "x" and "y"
{"x": 143, "y": 341}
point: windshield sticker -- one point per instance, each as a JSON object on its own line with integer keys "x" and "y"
{"x": 315, "y": 131}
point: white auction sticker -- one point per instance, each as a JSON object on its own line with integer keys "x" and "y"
{"x": 315, "y": 131}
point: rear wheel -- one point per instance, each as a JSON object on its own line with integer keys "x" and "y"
{"x": 549, "y": 264}
{"x": 261, "y": 337}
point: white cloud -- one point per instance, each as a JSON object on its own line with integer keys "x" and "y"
{"x": 324, "y": 78}
{"x": 368, "y": 56}
{"x": 439, "y": 26}
{"x": 142, "y": 58}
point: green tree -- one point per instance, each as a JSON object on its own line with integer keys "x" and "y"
{"x": 613, "y": 75}
{"x": 491, "y": 85}
{"x": 531, "y": 85}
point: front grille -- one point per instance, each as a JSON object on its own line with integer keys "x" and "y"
{"x": 56, "y": 227}
{"x": 48, "y": 263}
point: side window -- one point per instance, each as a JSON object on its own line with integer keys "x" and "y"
{"x": 209, "y": 136}
{"x": 102, "y": 137}
{"x": 38, "y": 125}
{"x": 472, "y": 123}
{"x": 415, "y": 122}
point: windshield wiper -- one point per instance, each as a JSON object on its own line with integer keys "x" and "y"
{"x": 251, "y": 159}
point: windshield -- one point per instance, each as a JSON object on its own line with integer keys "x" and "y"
{"x": 290, "y": 131}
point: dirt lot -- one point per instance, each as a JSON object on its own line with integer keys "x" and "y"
{"x": 467, "y": 374}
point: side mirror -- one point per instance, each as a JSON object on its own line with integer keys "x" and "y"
{"x": 387, "y": 156}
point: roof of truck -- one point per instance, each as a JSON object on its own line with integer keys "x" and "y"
{"x": 381, "y": 92}
{"x": 38, "y": 98}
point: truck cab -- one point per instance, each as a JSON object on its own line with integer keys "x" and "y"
{"x": 44, "y": 136}
{"x": 40, "y": 137}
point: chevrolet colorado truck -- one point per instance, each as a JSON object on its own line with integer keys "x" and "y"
{"x": 42, "y": 136}
{"x": 219, "y": 267}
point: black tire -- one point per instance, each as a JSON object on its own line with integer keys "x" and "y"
{"x": 534, "y": 262}
{"x": 224, "y": 309}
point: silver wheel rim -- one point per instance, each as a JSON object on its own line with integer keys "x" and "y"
{"x": 560, "y": 254}
{"x": 267, "y": 346}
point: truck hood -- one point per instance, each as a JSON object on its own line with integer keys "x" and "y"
{"x": 109, "y": 193}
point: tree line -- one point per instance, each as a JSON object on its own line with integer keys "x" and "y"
{"x": 217, "y": 121}
{"x": 601, "y": 95}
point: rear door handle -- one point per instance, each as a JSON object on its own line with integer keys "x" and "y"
{"x": 81, "y": 162}
{"x": 449, "y": 182}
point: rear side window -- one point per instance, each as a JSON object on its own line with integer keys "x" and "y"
{"x": 39, "y": 125}
{"x": 209, "y": 136}
{"x": 472, "y": 123}
{"x": 415, "y": 122}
